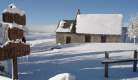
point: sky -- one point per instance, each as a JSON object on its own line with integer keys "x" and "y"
{"x": 44, "y": 13}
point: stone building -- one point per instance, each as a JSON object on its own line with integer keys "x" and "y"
{"x": 96, "y": 28}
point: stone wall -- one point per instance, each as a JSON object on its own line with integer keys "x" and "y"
{"x": 80, "y": 38}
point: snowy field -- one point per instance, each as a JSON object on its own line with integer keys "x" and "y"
{"x": 81, "y": 61}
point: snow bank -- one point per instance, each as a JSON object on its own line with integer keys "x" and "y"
{"x": 63, "y": 76}
{"x": 99, "y": 23}
{"x": 14, "y": 10}
{"x": 61, "y": 29}
{"x": 4, "y": 78}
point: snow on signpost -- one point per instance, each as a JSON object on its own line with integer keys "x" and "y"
{"x": 14, "y": 14}
{"x": 13, "y": 49}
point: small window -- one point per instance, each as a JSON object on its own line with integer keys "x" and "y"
{"x": 103, "y": 39}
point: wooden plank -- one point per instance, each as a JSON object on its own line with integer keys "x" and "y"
{"x": 14, "y": 50}
{"x": 6, "y": 17}
{"x": 15, "y": 33}
{"x": 3, "y": 17}
{"x": 24, "y": 20}
{"x": 10, "y": 17}
{"x": 119, "y": 61}
{"x": 16, "y": 18}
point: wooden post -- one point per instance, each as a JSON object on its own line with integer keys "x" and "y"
{"x": 106, "y": 70}
{"x": 14, "y": 69}
{"x": 106, "y": 65}
{"x": 135, "y": 62}
{"x": 106, "y": 55}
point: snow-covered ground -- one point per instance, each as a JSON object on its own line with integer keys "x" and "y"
{"x": 79, "y": 61}
{"x": 38, "y": 38}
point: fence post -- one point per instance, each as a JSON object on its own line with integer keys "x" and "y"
{"x": 106, "y": 65}
{"x": 135, "y": 62}
{"x": 106, "y": 55}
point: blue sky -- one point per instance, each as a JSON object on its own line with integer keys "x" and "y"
{"x": 49, "y": 12}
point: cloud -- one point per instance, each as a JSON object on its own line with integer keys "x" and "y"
{"x": 45, "y": 28}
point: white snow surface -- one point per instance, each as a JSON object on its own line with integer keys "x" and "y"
{"x": 63, "y": 76}
{"x": 4, "y": 78}
{"x": 82, "y": 60}
{"x": 61, "y": 29}
{"x": 14, "y": 10}
{"x": 99, "y": 23}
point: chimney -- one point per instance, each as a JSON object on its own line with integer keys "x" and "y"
{"x": 78, "y": 11}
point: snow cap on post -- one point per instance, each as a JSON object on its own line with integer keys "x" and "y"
{"x": 14, "y": 9}
{"x": 14, "y": 14}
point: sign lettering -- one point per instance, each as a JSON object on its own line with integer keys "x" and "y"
{"x": 14, "y": 50}
{"x": 15, "y": 33}
{"x": 10, "y": 17}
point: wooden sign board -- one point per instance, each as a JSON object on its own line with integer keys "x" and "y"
{"x": 15, "y": 33}
{"x": 10, "y": 17}
{"x": 14, "y": 50}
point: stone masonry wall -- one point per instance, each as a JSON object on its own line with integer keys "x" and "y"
{"x": 80, "y": 38}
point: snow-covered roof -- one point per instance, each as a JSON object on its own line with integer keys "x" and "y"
{"x": 14, "y": 9}
{"x": 99, "y": 23}
{"x": 61, "y": 27}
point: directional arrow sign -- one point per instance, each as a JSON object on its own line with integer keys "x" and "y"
{"x": 14, "y": 50}
{"x": 15, "y": 33}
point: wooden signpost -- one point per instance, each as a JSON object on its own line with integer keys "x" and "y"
{"x": 10, "y": 17}
{"x": 15, "y": 33}
{"x": 13, "y": 50}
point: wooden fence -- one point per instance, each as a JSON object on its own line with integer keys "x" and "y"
{"x": 106, "y": 62}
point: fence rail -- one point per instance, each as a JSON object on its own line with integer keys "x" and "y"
{"x": 108, "y": 61}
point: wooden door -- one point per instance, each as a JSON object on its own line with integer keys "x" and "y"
{"x": 68, "y": 39}
{"x": 103, "y": 39}
{"x": 87, "y": 38}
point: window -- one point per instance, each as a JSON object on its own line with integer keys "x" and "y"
{"x": 103, "y": 39}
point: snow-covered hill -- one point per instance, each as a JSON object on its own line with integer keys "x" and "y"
{"x": 80, "y": 61}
